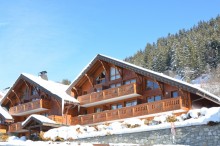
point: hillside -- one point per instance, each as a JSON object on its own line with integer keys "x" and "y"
{"x": 188, "y": 53}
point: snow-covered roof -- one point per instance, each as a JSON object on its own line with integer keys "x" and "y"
{"x": 39, "y": 118}
{"x": 1, "y": 95}
{"x": 5, "y": 113}
{"x": 53, "y": 88}
{"x": 146, "y": 72}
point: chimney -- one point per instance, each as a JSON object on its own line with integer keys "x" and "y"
{"x": 43, "y": 75}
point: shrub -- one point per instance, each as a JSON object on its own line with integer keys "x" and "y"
{"x": 57, "y": 138}
{"x": 70, "y": 139}
{"x": 4, "y": 137}
{"x": 42, "y": 138}
{"x": 212, "y": 123}
{"x": 146, "y": 122}
{"x": 171, "y": 119}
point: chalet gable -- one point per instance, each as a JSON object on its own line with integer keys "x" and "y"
{"x": 35, "y": 84}
{"x": 101, "y": 60}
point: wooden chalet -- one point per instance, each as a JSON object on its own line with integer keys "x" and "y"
{"x": 109, "y": 89}
{"x": 36, "y": 95}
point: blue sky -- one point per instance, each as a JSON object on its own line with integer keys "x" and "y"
{"x": 63, "y": 36}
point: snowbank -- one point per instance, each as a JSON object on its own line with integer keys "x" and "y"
{"x": 193, "y": 117}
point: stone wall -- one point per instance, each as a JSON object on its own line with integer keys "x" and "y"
{"x": 202, "y": 135}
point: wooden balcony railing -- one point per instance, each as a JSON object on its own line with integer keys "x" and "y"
{"x": 15, "y": 127}
{"x": 30, "y": 107}
{"x": 133, "y": 111}
{"x": 111, "y": 93}
{"x": 65, "y": 119}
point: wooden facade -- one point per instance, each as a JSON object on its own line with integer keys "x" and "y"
{"x": 27, "y": 98}
{"x": 107, "y": 90}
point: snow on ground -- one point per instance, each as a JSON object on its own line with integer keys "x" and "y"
{"x": 193, "y": 117}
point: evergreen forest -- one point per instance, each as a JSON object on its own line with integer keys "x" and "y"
{"x": 188, "y": 53}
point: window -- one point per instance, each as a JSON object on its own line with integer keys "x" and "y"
{"x": 101, "y": 78}
{"x": 114, "y": 74}
{"x": 34, "y": 91}
{"x": 151, "y": 85}
{"x": 131, "y": 103}
{"x": 97, "y": 110}
{"x": 130, "y": 81}
{"x": 115, "y": 85}
{"x": 116, "y": 106}
{"x": 154, "y": 98}
{"x": 174, "y": 94}
{"x": 45, "y": 114}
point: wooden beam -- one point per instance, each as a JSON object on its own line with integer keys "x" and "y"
{"x": 89, "y": 80}
{"x": 104, "y": 66}
{"x": 119, "y": 70}
{"x": 139, "y": 77}
{"x": 57, "y": 103}
{"x": 16, "y": 95}
{"x": 10, "y": 101}
{"x": 74, "y": 88}
{"x": 161, "y": 87}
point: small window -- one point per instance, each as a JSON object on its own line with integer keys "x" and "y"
{"x": 150, "y": 99}
{"x": 130, "y": 81}
{"x": 174, "y": 94}
{"x": 150, "y": 85}
{"x": 101, "y": 78}
{"x": 97, "y": 110}
{"x": 154, "y": 98}
{"x": 157, "y": 98}
{"x": 114, "y": 74}
{"x": 131, "y": 103}
{"x": 34, "y": 91}
{"x": 116, "y": 106}
{"x": 115, "y": 85}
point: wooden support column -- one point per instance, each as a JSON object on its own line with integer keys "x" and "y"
{"x": 29, "y": 133}
{"x": 67, "y": 110}
{"x": 41, "y": 129}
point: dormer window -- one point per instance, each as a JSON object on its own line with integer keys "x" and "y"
{"x": 114, "y": 74}
{"x": 101, "y": 78}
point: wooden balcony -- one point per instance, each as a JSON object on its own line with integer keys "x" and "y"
{"x": 30, "y": 107}
{"x": 65, "y": 119}
{"x": 133, "y": 111}
{"x": 16, "y": 127}
{"x": 110, "y": 95}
